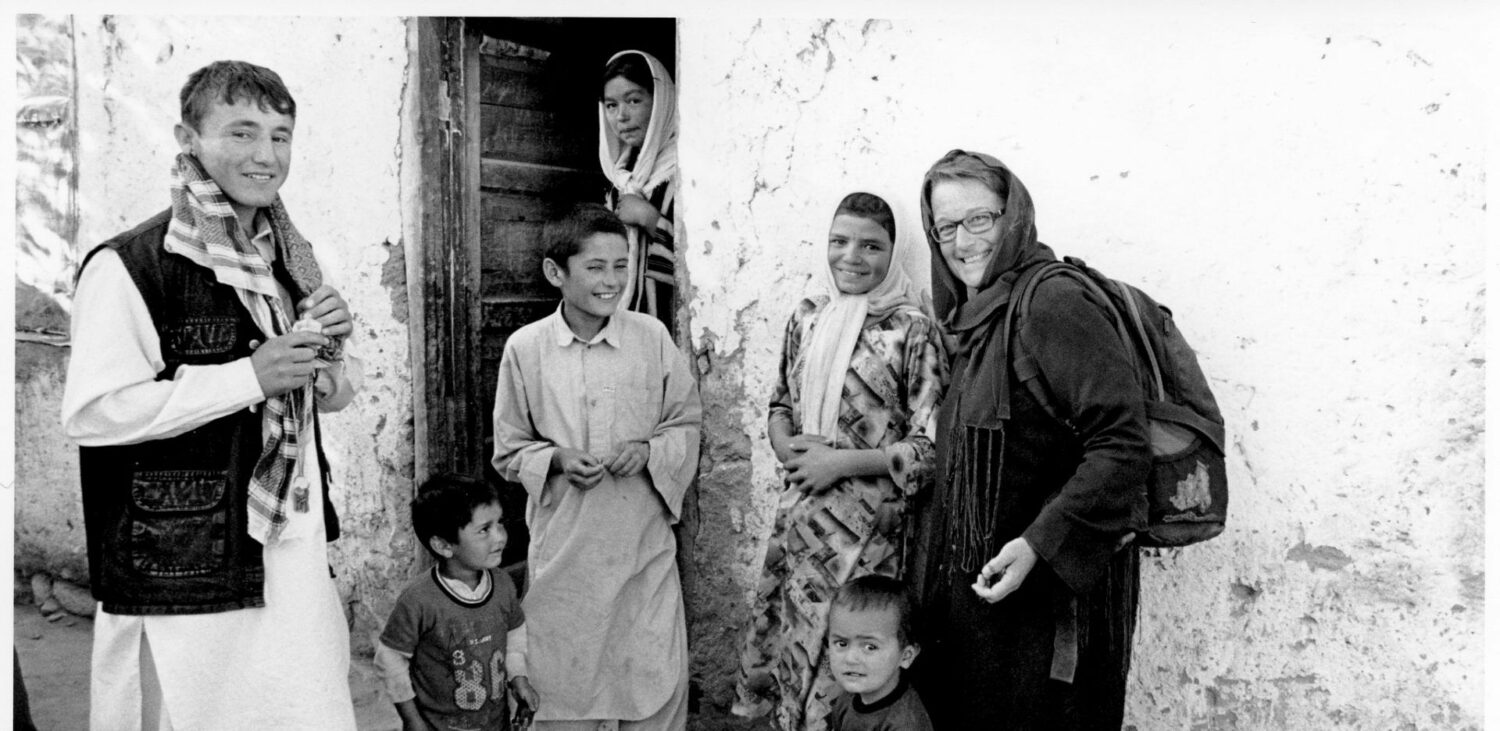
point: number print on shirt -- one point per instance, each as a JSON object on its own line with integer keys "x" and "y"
{"x": 470, "y": 692}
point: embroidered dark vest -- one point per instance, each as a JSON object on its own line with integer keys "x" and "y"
{"x": 166, "y": 518}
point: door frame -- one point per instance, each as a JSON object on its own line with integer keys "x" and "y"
{"x": 443, "y": 261}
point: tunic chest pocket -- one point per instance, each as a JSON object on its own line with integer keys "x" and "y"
{"x": 196, "y": 336}
{"x": 637, "y": 410}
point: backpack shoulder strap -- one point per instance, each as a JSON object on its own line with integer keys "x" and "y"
{"x": 1028, "y": 371}
{"x": 1138, "y": 326}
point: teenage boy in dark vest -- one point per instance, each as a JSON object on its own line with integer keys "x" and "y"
{"x": 204, "y": 345}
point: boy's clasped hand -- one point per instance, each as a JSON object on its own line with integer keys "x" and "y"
{"x": 584, "y": 470}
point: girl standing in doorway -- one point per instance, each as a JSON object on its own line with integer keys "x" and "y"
{"x": 638, "y": 153}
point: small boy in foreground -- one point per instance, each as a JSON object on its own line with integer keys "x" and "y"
{"x": 457, "y": 632}
{"x": 869, "y": 643}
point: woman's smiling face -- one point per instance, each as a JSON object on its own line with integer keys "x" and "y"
{"x": 627, "y": 110}
{"x": 967, "y": 255}
{"x": 859, "y": 253}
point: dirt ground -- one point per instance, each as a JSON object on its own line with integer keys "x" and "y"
{"x": 55, "y": 665}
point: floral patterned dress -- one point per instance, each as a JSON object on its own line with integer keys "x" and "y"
{"x": 895, "y": 381}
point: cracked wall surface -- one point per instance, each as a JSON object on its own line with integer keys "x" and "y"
{"x": 1306, "y": 193}
{"x": 343, "y": 192}
{"x": 49, "y": 523}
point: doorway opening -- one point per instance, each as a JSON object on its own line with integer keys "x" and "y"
{"x": 509, "y": 141}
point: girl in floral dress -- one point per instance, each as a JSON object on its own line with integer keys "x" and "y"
{"x": 851, "y": 421}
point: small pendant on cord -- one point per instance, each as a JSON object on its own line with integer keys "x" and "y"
{"x": 299, "y": 495}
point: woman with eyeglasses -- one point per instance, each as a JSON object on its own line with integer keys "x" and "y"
{"x": 638, "y": 153}
{"x": 1030, "y": 599}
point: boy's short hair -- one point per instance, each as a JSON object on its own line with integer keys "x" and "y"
{"x": 874, "y": 591}
{"x": 446, "y": 503}
{"x": 231, "y": 82}
{"x": 871, "y": 206}
{"x": 565, "y": 236}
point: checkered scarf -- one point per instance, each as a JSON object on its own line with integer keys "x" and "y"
{"x": 204, "y": 229}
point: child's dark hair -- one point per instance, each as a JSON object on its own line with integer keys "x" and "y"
{"x": 871, "y": 206}
{"x": 874, "y": 591}
{"x": 231, "y": 82}
{"x": 633, "y": 68}
{"x": 566, "y": 235}
{"x": 445, "y": 503}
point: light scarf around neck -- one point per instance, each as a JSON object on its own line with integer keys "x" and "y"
{"x": 656, "y": 162}
{"x": 205, "y": 230}
{"x": 831, "y": 343}
{"x": 639, "y": 172}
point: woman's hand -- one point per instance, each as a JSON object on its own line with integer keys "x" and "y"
{"x": 816, "y": 468}
{"x": 637, "y": 211}
{"x": 1012, "y": 564}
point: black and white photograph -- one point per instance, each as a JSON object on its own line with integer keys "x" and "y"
{"x": 779, "y": 367}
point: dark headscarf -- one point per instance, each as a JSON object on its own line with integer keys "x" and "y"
{"x": 971, "y": 423}
{"x": 977, "y": 321}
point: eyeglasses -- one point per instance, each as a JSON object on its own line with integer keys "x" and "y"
{"x": 976, "y": 223}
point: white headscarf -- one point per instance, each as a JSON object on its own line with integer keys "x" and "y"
{"x": 831, "y": 344}
{"x": 657, "y": 161}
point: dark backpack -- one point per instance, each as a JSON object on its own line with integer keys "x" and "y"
{"x": 1187, "y": 491}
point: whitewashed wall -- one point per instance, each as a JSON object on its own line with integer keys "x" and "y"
{"x": 343, "y": 192}
{"x": 1306, "y": 191}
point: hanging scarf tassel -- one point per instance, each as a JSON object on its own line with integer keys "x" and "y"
{"x": 204, "y": 229}
{"x": 272, "y": 477}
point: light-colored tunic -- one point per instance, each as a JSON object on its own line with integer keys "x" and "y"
{"x": 282, "y": 666}
{"x": 603, "y": 601}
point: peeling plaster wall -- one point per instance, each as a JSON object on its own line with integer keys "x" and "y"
{"x": 49, "y": 522}
{"x": 1306, "y": 191}
{"x": 344, "y": 192}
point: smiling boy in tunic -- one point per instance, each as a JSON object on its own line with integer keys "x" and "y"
{"x": 597, "y": 416}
